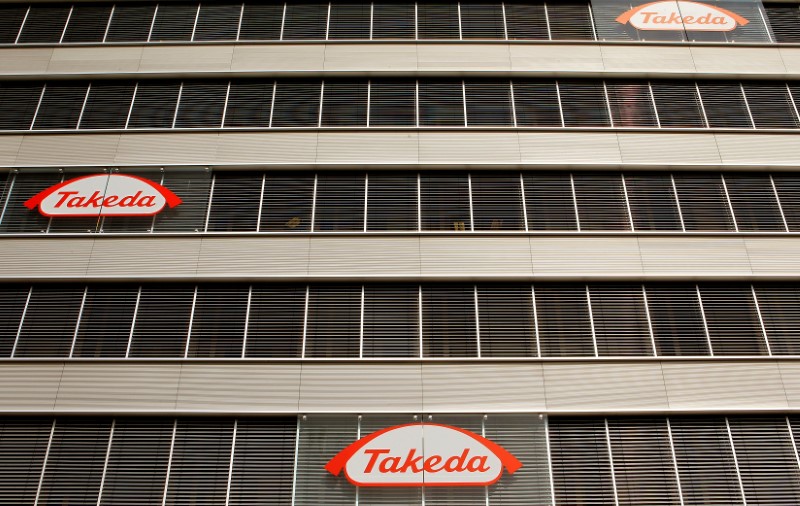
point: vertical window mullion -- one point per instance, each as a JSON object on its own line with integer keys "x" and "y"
{"x": 702, "y": 106}
{"x": 152, "y": 24}
{"x": 321, "y": 102}
{"x": 416, "y": 101}
{"x": 794, "y": 104}
{"x": 547, "y": 22}
{"x": 296, "y": 455}
{"x": 130, "y": 109}
{"x": 575, "y": 202}
{"x": 591, "y": 319}
{"x": 460, "y": 32}
{"x": 627, "y": 202}
{"x": 210, "y": 202}
{"x": 505, "y": 25}
{"x": 196, "y": 17}
{"x": 38, "y": 106}
{"x": 777, "y": 199}
{"x": 653, "y": 102}
{"x": 78, "y": 322}
{"x": 372, "y": 25}
{"x": 675, "y": 461}
{"x": 305, "y": 323}
{"x": 594, "y": 32}
{"x": 225, "y": 106}
{"x": 327, "y": 25}
{"x": 177, "y": 105}
{"x": 230, "y": 463}
{"x": 169, "y": 461}
{"x": 361, "y": 326}
{"x": 44, "y": 463}
{"x": 83, "y": 106}
{"x": 524, "y": 203}
{"x": 794, "y": 444}
{"x": 611, "y": 462}
{"x": 608, "y": 101}
{"x": 536, "y": 321}
{"x": 728, "y": 200}
{"x": 64, "y": 31}
{"x": 705, "y": 322}
{"x": 239, "y": 26}
{"x": 477, "y": 320}
{"x": 416, "y": 24}
{"x": 549, "y": 459}
{"x": 419, "y": 303}
{"x": 283, "y": 20}
{"x": 272, "y": 102}
{"x": 464, "y": 102}
{"x": 153, "y": 223}
{"x": 747, "y": 105}
{"x": 261, "y": 203}
{"x": 369, "y": 99}
{"x": 10, "y": 193}
{"x": 22, "y": 25}
{"x": 513, "y": 102}
{"x": 471, "y": 212}
{"x": 247, "y": 320}
{"x": 105, "y": 462}
{"x": 366, "y": 200}
{"x": 677, "y": 201}
{"x": 110, "y": 17}
{"x": 191, "y": 322}
{"x": 649, "y": 321}
{"x": 761, "y": 320}
{"x": 735, "y": 461}
{"x": 133, "y": 321}
{"x": 560, "y": 106}
{"x": 419, "y": 202}
{"x": 314, "y": 204}
{"x": 21, "y": 321}
{"x": 50, "y": 220}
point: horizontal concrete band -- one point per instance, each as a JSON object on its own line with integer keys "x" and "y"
{"x": 652, "y": 386}
{"x": 406, "y": 257}
{"x": 410, "y": 148}
{"x": 369, "y": 58}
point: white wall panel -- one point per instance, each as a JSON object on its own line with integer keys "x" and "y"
{"x": 29, "y": 60}
{"x": 697, "y": 257}
{"x": 790, "y": 375}
{"x": 588, "y": 255}
{"x": 29, "y": 387}
{"x": 196, "y": 57}
{"x": 267, "y": 148}
{"x": 365, "y": 256}
{"x": 93, "y": 59}
{"x": 561, "y": 58}
{"x": 475, "y": 256}
{"x": 666, "y": 150}
{"x": 570, "y": 148}
{"x": 641, "y": 58}
{"x": 365, "y": 387}
{"x": 172, "y": 148}
{"x": 737, "y": 61}
{"x": 34, "y": 258}
{"x": 762, "y": 149}
{"x": 170, "y": 257}
{"x": 773, "y": 255}
{"x": 278, "y": 57}
{"x": 463, "y": 57}
{"x": 368, "y": 57}
{"x": 9, "y": 149}
{"x": 468, "y": 148}
{"x": 247, "y": 257}
{"x": 376, "y": 147}
{"x": 65, "y": 149}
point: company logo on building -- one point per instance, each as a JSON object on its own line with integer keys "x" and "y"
{"x": 423, "y": 454}
{"x": 682, "y": 15}
{"x": 104, "y": 195}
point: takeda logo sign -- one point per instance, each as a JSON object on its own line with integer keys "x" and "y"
{"x": 104, "y": 195}
{"x": 423, "y": 454}
{"x": 682, "y": 15}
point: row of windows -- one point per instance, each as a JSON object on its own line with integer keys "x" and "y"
{"x": 631, "y": 461}
{"x": 104, "y": 105}
{"x": 399, "y": 320}
{"x": 479, "y": 201}
{"x": 361, "y": 20}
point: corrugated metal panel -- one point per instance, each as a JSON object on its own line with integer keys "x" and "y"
{"x": 737, "y": 60}
{"x": 468, "y": 148}
{"x": 368, "y": 147}
{"x": 790, "y": 377}
{"x": 62, "y": 150}
{"x": 630, "y": 58}
{"x": 661, "y": 150}
{"x": 569, "y": 147}
{"x": 351, "y": 256}
{"x": 29, "y": 386}
{"x": 361, "y": 388}
{"x": 267, "y": 147}
{"x": 279, "y": 57}
{"x": 761, "y": 149}
{"x": 194, "y": 148}
{"x": 94, "y": 59}
{"x": 605, "y": 386}
{"x": 561, "y": 57}
{"x": 475, "y": 255}
{"x": 463, "y": 57}
{"x": 695, "y": 256}
{"x": 104, "y": 387}
{"x": 493, "y": 387}
{"x": 186, "y": 58}
{"x": 245, "y": 256}
{"x": 154, "y": 256}
{"x": 239, "y": 387}
{"x": 25, "y": 60}
{"x": 397, "y": 57}
{"x": 791, "y": 58}
{"x": 585, "y": 255}
{"x": 9, "y": 148}
{"x": 734, "y": 385}
{"x": 770, "y": 255}
{"x": 42, "y": 258}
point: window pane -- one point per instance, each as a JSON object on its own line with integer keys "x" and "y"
{"x": 235, "y": 202}
{"x": 305, "y": 21}
{"x": 526, "y": 20}
{"x": 770, "y": 105}
{"x": 249, "y": 104}
{"x": 154, "y": 104}
{"x": 23, "y": 444}
{"x": 17, "y": 218}
{"x": 391, "y": 321}
{"x": 261, "y": 21}
{"x": 174, "y": 22}
{"x": 18, "y": 103}
{"x": 340, "y": 203}
{"x": 565, "y": 329}
{"x": 724, "y": 105}
{"x": 334, "y": 321}
{"x": 788, "y": 186}
{"x": 601, "y": 202}
{"x": 11, "y": 17}
{"x": 437, "y": 20}
{"x": 344, "y": 103}
{"x": 131, "y": 22}
{"x": 482, "y": 20}
{"x": 287, "y": 203}
{"x": 275, "y": 323}
{"x": 218, "y": 324}
{"x": 620, "y": 321}
{"x": 107, "y": 105}
{"x": 106, "y": 321}
{"x": 732, "y": 320}
{"x": 505, "y": 315}
{"x": 677, "y": 321}
{"x": 488, "y": 104}
{"x": 549, "y": 202}
{"x": 162, "y": 321}
{"x": 497, "y": 202}
{"x": 393, "y": 20}
{"x": 784, "y": 20}
{"x": 45, "y": 23}
{"x": 445, "y": 202}
{"x": 193, "y": 188}
{"x": 349, "y": 20}
{"x": 87, "y": 23}
{"x": 218, "y": 21}
{"x": 678, "y": 104}
{"x": 652, "y": 202}
{"x": 703, "y": 203}
{"x": 392, "y": 103}
{"x": 12, "y": 303}
{"x": 202, "y": 104}
{"x": 583, "y": 103}
{"x": 392, "y": 202}
{"x": 441, "y": 103}
{"x": 206, "y": 441}
{"x": 49, "y": 324}
{"x": 780, "y": 310}
{"x": 631, "y": 104}
{"x": 61, "y": 106}
{"x": 754, "y": 204}
{"x": 536, "y": 103}
{"x": 112, "y": 224}
{"x": 570, "y": 21}
{"x": 448, "y": 321}
{"x": 581, "y": 463}
{"x": 296, "y": 104}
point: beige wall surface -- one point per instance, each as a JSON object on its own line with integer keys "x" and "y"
{"x": 249, "y": 387}
{"x": 439, "y": 58}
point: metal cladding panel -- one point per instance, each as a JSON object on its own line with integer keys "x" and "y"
{"x": 253, "y": 256}
{"x": 556, "y": 58}
{"x": 758, "y": 149}
{"x": 724, "y": 386}
{"x": 791, "y": 59}
{"x": 110, "y": 386}
{"x": 29, "y": 387}
{"x": 790, "y": 375}
{"x": 267, "y": 148}
{"x": 279, "y": 57}
{"x": 738, "y": 61}
{"x": 171, "y": 148}
{"x": 186, "y": 58}
{"x": 604, "y": 386}
{"x": 153, "y": 256}
{"x": 9, "y": 148}
{"x": 25, "y": 60}
{"x": 360, "y": 57}
{"x": 42, "y": 258}
{"x": 467, "y": 387}
{"x": 695, "y": 256}
{"x": 587, "y": 256}
{"x": 261, "y": 388}
{"x": 566, "y": 148}
{"x": 364, "y": 256}
{"x": 469, "y": 148}
{"x": 475, "y": 256}
{"x": 633, "y": 58}
{"x": 66, "y": 149}
{"x": 361, "y": 387}
{"x": 95, "y": 59}
{"x": 780, "y": 255}
{"x": 464, "y": 57}
{"x": 664, "y": 150}
{"x": 369, "y": 147}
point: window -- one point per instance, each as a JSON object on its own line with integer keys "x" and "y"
{"x": 296, "y": 104}
{"x": 130, "y": 22}
{"x": 601, "y": 202}
{"x": 581, "y": 463}
{"x": 652, "y": 202}
{"x": 44, "y": 23}
{"x": 202, "y": 104}
{"x": 200, "y": 440}
{"x": 162, "y": 321}
{"x": 488, "y": 104}
{"x": 392, "y": 103}
{"x": 732, "y": 320}
{"x": 261, "y": 21}
{"x": 334, "y": 321}
{"x": 107, "y": 106}
{"x": 340, "y": 203}
{"x": 526, "y": 20}
{"x": 275, "y": 323}
{"x": 12, "y": 304}
{"x": 771, "y": 105}
{"x": 106, "y": 321}
{"x": 11, "y": 17}
{"x": 18, "y": 103}
{"x": 438, "y": 20}
{"x": 482, "y": 20}
{"x": 349, "y": 20}
{"x": 154, "y": 104}
{"x": 583, "y": 104}
{"x": 16, "y": 218}
{"x": 249, "y": 104}
{"x": 193, "y": 186}
{"x": 391, "y": 321}
{"x": 391, "y": 202}
{"x": 780, "y": 310}
{"x": 788, "y": 188}
{"x": 23, "y": 444}
{"x": 677, "y": 320}
{"x": 218, "y": 21}
{"x": 505, "y": 319}
{"x": 87, "y": 23}
{"x": 344, "y": 103}
{"x": 393, "y": 20}
{"x": 703, "y": 202}
{"x": 448, "y": 321}
{"x": 678, "y": 104}
{"x": 754, "y": 202}
{"x": 724, "y": 105}
{"x": 549, "y": 201}
{"x": 287, "y": 203}
{"x": 60, "y": 106}
{"x": 235, "y": 202}
{"x": 631, "y": 104}
{"x": 497, "y": 202}
{"x": 537, "y": 104}
{"x": 49, "y": 324}
{"x": 620, "y": 320}
{"x": 441, "y": 103}
{"x": 218, "y": 324}
{"x": 565, "y": 328}
{"x": 174, "y": 22}
{"x": 570, "y": 21}
{"x": 305, "y": 21}
{"x": 445, "y": 202}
